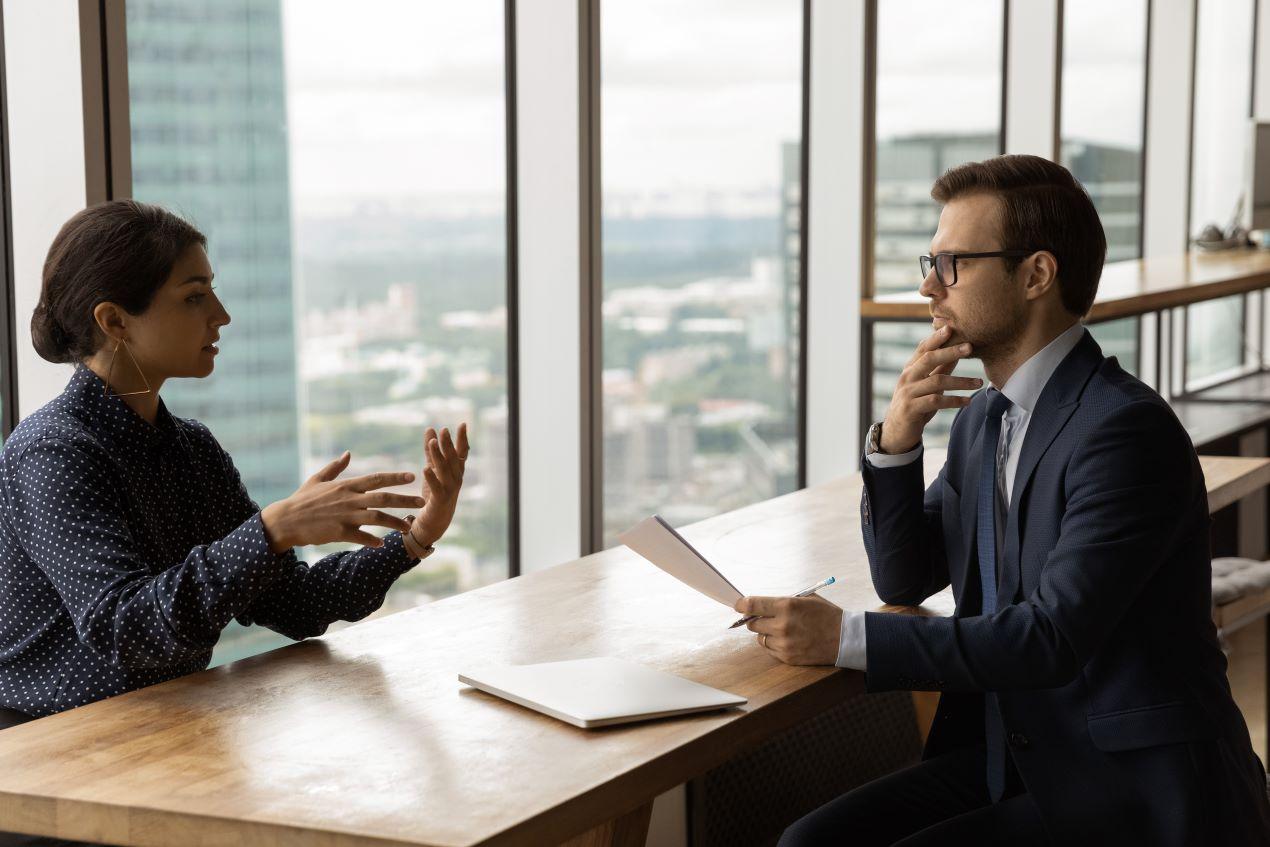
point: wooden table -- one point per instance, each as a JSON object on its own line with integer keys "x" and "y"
{"x": 366, "y": 738}
{"x": 1133, "y": 287}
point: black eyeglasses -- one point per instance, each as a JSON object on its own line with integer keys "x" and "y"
{"x": 945, "y": 264}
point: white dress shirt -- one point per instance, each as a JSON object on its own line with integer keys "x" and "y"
{"x": 1022, "y": 389}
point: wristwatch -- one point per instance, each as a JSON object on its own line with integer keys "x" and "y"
{"x": 412, "y": 544}
{"x": 873, "y": 444}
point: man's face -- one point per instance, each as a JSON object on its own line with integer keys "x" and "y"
{"x": 986, "y": 306}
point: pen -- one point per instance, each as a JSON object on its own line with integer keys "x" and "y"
{"x": 806, "y": 592}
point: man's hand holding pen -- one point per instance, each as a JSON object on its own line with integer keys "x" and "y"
{"x": 795, "y": 630}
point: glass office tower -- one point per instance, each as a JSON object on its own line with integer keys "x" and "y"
{"x": 209, "y": 140}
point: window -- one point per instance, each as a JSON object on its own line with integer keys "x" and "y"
{"x": 1222, "y": 107}
{"x": 701, "y": 133}
{"x": 1104, "y": 95}
{"x": 349, "y": 175}
{"x": 1102, "y": 119}
{"x": 931, "y": 114}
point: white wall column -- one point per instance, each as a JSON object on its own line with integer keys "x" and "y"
{"x": 1031, "y": 78}
{"x": 548, "y": 220}
{"x": 46, "y": 155}
{"x": 839, "y": 151}
{"x": 1169, "y": 82}
{"x": 1261, "y": 72}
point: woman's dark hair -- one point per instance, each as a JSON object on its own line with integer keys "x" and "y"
{"x": 120, "y": 252}
{"x": 1043, "y": 207}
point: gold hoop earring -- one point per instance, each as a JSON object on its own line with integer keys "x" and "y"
{"x": 113, "y": 354}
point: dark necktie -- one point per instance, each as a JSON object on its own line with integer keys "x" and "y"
{"x": 994, "y": 734}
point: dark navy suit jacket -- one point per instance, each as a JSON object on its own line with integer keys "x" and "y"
{"x": 1111, "y": 683}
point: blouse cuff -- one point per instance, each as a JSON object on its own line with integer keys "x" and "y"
{"x": 248, "y": 545}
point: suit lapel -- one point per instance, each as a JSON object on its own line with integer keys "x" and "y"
{"x": 1059, "y": 399}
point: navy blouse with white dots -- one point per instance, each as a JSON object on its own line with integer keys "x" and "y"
{"x": 126, "y": 547}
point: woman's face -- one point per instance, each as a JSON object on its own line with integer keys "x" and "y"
{"x": 176, "y": 336}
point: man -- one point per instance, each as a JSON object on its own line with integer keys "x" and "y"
{"x": 1084, "y": 695}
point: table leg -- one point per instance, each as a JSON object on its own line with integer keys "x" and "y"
{"x": 924, "y": 705}
{"x": 630, "y": 830}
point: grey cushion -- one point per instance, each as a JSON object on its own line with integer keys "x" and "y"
{"x": 1234, "y": 577}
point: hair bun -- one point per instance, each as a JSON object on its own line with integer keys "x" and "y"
{"x": 49, "y": 337}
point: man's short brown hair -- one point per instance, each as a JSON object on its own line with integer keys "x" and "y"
{"x": 1043, "y": 207}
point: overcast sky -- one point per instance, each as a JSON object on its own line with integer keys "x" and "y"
{"x": 406, "y": 97}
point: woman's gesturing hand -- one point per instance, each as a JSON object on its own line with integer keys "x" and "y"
{"x": 442, "y": 479}
{"x": 327, "y": 509}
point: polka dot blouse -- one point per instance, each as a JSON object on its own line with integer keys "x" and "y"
{"x": 126, "y": 547}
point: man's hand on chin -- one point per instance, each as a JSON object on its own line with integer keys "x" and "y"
{"x": 796, "y": 630}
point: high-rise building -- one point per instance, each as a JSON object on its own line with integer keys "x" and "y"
{"x": 209, "y": 141}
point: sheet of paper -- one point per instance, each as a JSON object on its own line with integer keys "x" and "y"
{"x": 657, "y": 541}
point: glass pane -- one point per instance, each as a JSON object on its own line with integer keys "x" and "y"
{"x": 1223, "y": 83}
{"x": 1223, "y": 80}
{"x": 1104, "y": 91}
{"x": 931, "y": 116}
{"x": 701, "y": 139}
{"x": 351, "y": 189}
{"x": 1120, "y": 339}
{"x": 1104, "y": 97}
{"x": 1214, "y": 337}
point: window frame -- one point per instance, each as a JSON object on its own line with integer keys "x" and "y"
{"x": 8, "y": 341}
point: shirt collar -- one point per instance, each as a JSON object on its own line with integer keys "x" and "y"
{"x": 115, "y": 420}
{"x": 1024, "y": 386}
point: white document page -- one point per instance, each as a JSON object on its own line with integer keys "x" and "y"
{"x": 657, "y": 541}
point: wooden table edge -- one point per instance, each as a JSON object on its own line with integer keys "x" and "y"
{"x": 1247, "y": 483}
{"x": 55, "y": 817}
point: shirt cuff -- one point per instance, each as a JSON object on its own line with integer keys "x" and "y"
{"x": 891, "y": 460}
{"x": 851, "y": 648}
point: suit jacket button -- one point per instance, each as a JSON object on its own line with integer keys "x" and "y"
{"x": 1018, "y": 741}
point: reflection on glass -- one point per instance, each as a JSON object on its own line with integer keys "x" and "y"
{"x": 1223, "y": 80}
{"x": 351, "y": 189}
{"x": 1118, "y": 338}
{"x": 932, "y": 114}
{"x": 1214, "y": 337}
{"x": 701, "y": 139}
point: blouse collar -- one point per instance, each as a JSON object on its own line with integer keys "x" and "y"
{"x": 115, "y": 420}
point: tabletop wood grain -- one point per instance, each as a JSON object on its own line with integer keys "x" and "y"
{"x": 365, "y": 737}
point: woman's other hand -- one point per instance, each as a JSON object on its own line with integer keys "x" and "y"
{"x": 442, "y": 479}
{"x": 327, "y": 508}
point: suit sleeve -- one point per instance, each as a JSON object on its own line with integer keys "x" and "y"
{"x": 1133, "y": 489}
{"x": 305, "y": 599}
{"x": 70, "y": 520}
{"x": 903, "y": 532}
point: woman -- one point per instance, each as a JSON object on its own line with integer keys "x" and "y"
{"x": 127, "y": 540}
